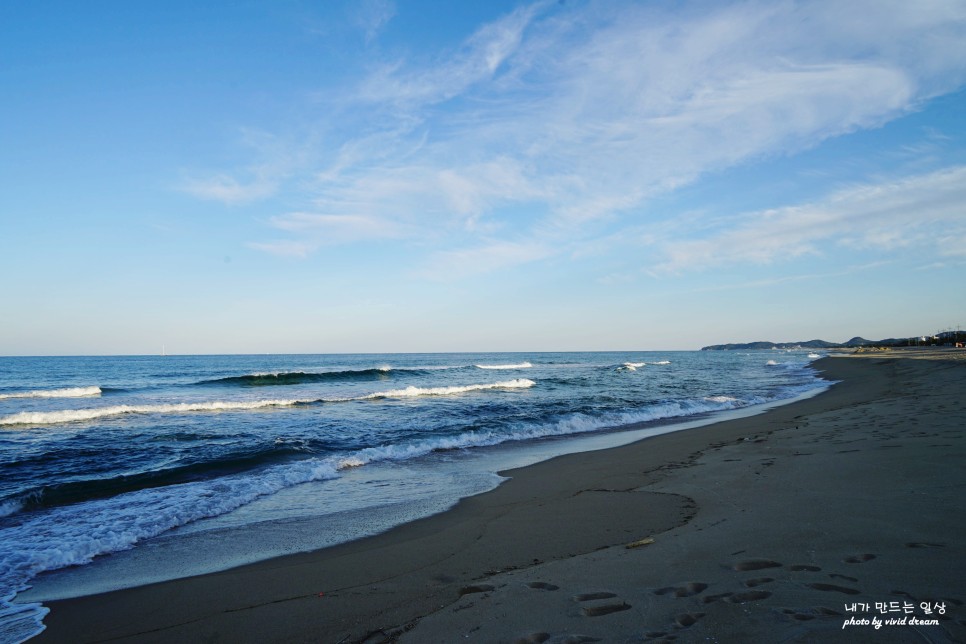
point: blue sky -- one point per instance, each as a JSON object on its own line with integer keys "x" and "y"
{"x": 373, "y": 176}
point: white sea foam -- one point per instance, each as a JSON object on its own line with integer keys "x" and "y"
{"x": 521, "y": 365}
{"x": 70, "y": 392}
{"x": 572, "y": 424}
{"x": 20, "y": 622}
{"x": 813, "y": 356}
{"x": 721, "y": 399}
{"x": 410, "y": 392}
{"x": 72, "y": 415}
{"x": 634, "y": 366}
{"x": 75, "y": 534}
{"x": 10, "y": 506}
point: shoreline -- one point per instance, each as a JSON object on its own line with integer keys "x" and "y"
{"x": 166, "y": 557}
{"x": 469, "y": 570}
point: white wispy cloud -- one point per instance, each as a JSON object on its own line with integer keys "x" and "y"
{"x": 230, "y": 190}
{"x": 551, "y": 118}
{"x": 273, "y": 160}
{"x": 409, "y": 89}
{"x": 286, "y": 248}
{"x": 791, "y": 279}
{"x": 492, "y": 256}
{"x": 372, "y": 16}
{"x": 952, "y": 243}
{"x": 923, "y": 211}
{"x": 326, "y": 229}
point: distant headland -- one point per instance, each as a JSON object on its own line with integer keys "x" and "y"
{"x": 943, "y": 338}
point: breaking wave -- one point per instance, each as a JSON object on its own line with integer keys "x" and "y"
{"x": 72, "y": 415}
{"x": 10, "y": 506}
{"x": 409, "y": 392}
{"x": 75, "y": 534}
{"x": 576, "y": 423}
{"x": 303, "y": 377}
{"x": 521, "y": 365}
{"x": 634, "y": 366}
{"x": 69, "y": 392}
{"x": 722, "y": 399}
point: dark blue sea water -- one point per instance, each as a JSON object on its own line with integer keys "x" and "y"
{"x": 139, "y": 455}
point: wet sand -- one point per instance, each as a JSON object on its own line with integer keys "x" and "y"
{"x": 777, "y": 527}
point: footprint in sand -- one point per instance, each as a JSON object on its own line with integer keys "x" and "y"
{"x": 855, "y": 559}
{"x": 587, "y": 597}
{"x": 835, "y": 575}
{"x": 478, "y": 588}
{"x": 687, "y": 619}
{"x": 532, "y": 638}
{"x": 542, "y": 585}
{"x": 749, "y": 596}
{"x": 681, "y": 621}
{"x": 710, "y": 599}
{"x": 600, "y": 609}
{"x": 755, "y": 564}
{"x": 758, "y": 581}
{"x": 833, "y": 588}
{"x": 688, "y": 589}
{"x": 604, "y": 609}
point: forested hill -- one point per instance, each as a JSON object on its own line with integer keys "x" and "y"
{"x": 807, "y": 344}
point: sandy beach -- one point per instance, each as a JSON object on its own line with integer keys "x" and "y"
{"x": 816, "y": 521}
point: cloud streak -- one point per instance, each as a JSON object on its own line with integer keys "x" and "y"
{"x": 492, "y": 256}
{"x": 921, "y": 211}
{"x": 372, "y": 16}
{"x": 275, "y": 161}
{"x": 230, "y": 190}
{"x": 549, "y": 119}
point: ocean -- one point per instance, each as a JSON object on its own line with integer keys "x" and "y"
{"x": 122, "y": 470}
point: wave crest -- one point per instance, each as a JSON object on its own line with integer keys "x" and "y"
{"x": 631, "y": 366}
{"x": 281, "y": 378}
{"x": 410, "y": 392}
{"x": 69, "y": 392}
{"x": 72, "y": 415}
{"x": 521, "y": 365}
